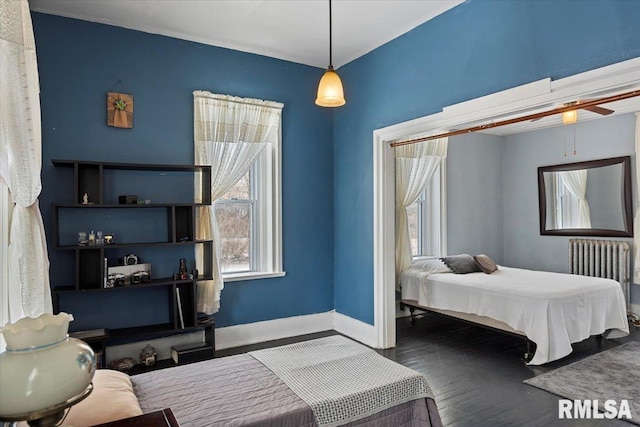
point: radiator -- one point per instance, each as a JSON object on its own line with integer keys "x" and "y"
{"x": 602, "y": 258}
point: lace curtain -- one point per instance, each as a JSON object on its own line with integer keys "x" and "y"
{"x": 415, "y": 166}
{"x": 20, "y": 162}
{"x": 576, "y": 182}
{"x": 636, "y": 223}
{"x": 229, "y": 134}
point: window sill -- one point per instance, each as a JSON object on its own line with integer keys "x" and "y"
{"x": 237, "y": 277}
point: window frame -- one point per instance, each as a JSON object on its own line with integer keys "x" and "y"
{"x": 267, "y": 193}
{"x": 433, "y": 218}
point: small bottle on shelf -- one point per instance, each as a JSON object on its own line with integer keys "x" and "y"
{"x": 183, "y": 269}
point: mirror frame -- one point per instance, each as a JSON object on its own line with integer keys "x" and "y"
{"x": 625, "y": 161}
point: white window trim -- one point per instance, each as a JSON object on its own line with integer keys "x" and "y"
{"x": 441, "y": 214}
{"x": 268, "y": 210}
{"x": 251, "y": 275}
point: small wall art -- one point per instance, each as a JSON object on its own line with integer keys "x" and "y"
{"x": 119, "y": 110}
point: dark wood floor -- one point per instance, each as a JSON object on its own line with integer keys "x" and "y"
{"x": 476, "y": 374}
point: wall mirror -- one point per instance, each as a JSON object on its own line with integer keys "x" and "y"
{"x": 590, "y": 198}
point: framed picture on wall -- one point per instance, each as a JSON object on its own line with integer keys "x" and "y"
{"x": 119, "y": 110}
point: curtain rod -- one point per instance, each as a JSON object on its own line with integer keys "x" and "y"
{"x": 574, "y": 106}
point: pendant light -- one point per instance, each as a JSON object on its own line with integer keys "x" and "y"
{"x": 570, "y": 117}
{"x": 330, "y": 92}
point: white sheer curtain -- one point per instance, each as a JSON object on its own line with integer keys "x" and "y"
{"x": 636, "y": 223}
{"x": 415, "y": 166}
{"x": 229, "y": 134}
{"x": 20, "y": 162}
{"x": 576, "y": 182}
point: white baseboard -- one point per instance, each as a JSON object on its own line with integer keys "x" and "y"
{"x": 355, "y": 329}
{"x": 252, "y": 333}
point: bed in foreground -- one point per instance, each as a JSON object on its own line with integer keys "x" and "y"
{"x": 551, "y": 309}
{"x": 329, "y": 381}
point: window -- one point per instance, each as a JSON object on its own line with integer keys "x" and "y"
{"x": 241, "y": 139}
{"x": 427, "y": 218}
{"x": 248, "y": 221}
{"x": 235, "y": 214}
{"x": 566, "y": 206}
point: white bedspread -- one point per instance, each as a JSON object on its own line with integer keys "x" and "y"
{"x": 552, "y": 309}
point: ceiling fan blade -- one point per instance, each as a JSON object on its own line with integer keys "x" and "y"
{"x": 599, "y": 110}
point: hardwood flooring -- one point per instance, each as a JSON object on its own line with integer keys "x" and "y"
{"x": 476, "y": 374}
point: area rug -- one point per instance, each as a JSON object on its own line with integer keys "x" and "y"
{"x": 612, "y": 374}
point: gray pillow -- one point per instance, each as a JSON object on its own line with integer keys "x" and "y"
{"x": 461, "y": 264}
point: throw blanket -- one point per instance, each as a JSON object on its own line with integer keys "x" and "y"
{"x": 341, "y": 380}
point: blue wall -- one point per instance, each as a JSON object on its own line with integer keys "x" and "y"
{"x": 80, "y": 61}
{"x": 475, "y": 49}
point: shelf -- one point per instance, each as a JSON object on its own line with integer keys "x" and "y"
{"x": 160, "y": 364}
{"x": 129, "y": 206}
{"x": 127, "y": 245}
{"x": 152, "y": 331}
{"x": 154, "y": 282}
{"x": 165, "y": 228}
{"x": 130, "y": 166}
{"x": 138, "y": 331}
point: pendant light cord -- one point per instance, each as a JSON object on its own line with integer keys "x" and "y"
{"x": 330, "y": 40}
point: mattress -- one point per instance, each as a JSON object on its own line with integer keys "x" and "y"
{"x": 242, "y": 391}
{"x": 551, "y": 309}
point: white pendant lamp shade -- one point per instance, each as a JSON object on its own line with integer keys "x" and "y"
{"x": 330, "y": 92}
{"x": 570, "y": 117}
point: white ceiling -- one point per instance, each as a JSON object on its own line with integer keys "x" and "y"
{"x": 293, "y": 30}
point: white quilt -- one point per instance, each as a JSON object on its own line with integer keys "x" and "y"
{"x": 552, "y": 309}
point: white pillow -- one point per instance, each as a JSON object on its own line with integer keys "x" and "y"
{"x": 112, "y": 399}
{"x": 431, "y": 265}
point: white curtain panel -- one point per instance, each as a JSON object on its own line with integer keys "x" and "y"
{"x": 20, "y": 162}
{"x": 415, "y": 166}
{"x": 229, "y": 134}
{"x": 576, "y": 182}
{"x": 636, "y": 224}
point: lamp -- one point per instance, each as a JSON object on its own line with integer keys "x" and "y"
{"x": 570, "y": 117}
{"x": 43, "y": 371}
{"x": 330, "y": 92}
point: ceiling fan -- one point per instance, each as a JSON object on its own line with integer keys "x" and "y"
{"x": 589, "y": 107}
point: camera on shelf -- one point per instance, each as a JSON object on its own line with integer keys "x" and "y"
{"x": 115, "y": 279}
{"x": 140, "y": 277}
{"x": 130, "y": 259}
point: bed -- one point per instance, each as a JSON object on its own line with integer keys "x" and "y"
{"x": 324, "y": 382}
{"x": 552, "y": 310}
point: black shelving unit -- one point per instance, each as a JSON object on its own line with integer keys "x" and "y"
{"x": 88, "y": 177}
